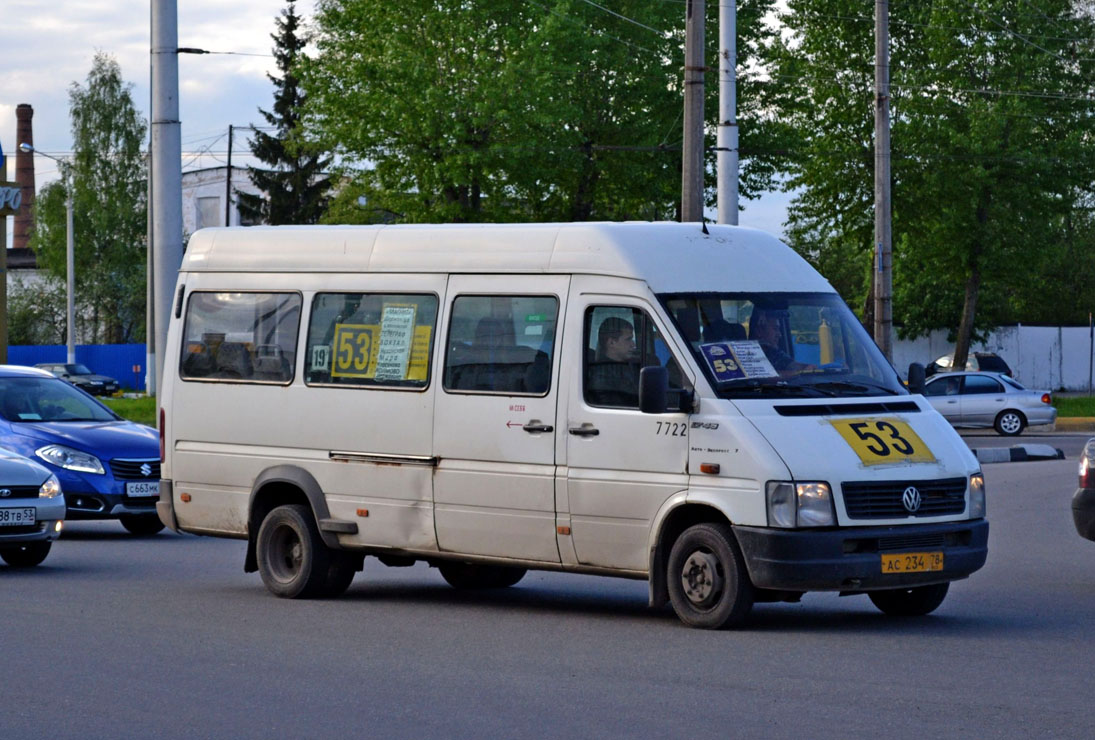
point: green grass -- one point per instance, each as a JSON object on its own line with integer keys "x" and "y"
{"x": 140, "y": 410}
{"x": 1075, "y": 406}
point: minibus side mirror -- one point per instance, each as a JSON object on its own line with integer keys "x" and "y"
{"x": 916, "y": 378}
{"x": 653, "y": 389}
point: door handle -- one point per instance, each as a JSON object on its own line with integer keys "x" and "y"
{"x": 536, "y": 426}
{"x": 586, "y": 430}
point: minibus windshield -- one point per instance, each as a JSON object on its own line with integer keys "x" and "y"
{"x": 766, "y": 345}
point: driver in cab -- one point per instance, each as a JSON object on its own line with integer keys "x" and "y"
{"x": 765, "y": 329}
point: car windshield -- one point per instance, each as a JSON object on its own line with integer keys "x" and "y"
{"x": 77, "y": 369}
{"x": 48, "y": 399}
{"x": 781, "y": 344}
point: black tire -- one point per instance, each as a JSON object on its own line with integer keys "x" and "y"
{"x": 340, "y": 573}
{"x": 143, "y": 524}
{"x": 708, "y": 584}
{"x": 469, "y": 576}
{"x": 910, "y": 602}
{"x": 1010, "y": 423}
{"x": 26, "y": 556}
{"x": 293, "y": 561}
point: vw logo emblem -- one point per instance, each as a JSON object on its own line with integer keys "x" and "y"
{"x": 5, "y": 492}
{"x": 911, "y": 499}
{"x": 146, "y": 470}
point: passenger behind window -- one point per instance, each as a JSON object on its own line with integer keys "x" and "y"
{"x": 612, "y": 378}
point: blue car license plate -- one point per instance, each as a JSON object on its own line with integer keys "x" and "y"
{"x": 142, "y": 489}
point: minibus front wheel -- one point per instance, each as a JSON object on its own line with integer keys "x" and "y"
{"x": 293, "y": 560}
{"x": 708, "y": 584}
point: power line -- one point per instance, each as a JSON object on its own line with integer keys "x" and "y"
{"x": 624, "y": 17}
{"x": 599, "y": 32}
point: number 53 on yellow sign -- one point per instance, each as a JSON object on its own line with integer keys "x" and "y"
{"x": 878, "y": 441}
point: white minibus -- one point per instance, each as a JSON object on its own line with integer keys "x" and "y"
{"x": 691, "y": 406}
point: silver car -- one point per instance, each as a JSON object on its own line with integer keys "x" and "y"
{"x": 983, "y": 399}
{"x": 31, "y": 510}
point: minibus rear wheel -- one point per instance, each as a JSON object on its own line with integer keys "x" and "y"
{"x": 910, "y": 602}
{"x": 470, "y": 576}
{"x": 293, "y": 561}
{"x": 708, "y": 584}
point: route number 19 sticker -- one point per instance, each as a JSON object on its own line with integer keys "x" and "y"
{"x": 880, "y": 441}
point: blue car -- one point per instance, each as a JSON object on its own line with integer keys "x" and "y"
{"x": 109, "y": 468}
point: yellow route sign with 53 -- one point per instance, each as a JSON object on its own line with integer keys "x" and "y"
{"x": 880, "y": 441}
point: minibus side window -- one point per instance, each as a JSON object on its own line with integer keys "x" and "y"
{"x": 240, "y": 337}
{"x": 371, "y": 340}
{"x": 619, "y": 342}
{"x": 501, "y": 344}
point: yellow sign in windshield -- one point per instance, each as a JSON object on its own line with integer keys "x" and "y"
{"x": 878, "y": 441}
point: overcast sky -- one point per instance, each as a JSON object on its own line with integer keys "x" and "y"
{"x": 49, "y": 45}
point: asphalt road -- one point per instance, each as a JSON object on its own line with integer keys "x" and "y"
{"x": 165, "y": 636}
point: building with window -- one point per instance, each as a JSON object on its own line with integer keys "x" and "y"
{"x": 204, "y": 191}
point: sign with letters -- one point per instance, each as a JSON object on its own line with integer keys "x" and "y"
{"x": 11, "y": 198}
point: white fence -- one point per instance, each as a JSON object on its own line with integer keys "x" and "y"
{"x": 1047, "y": 357}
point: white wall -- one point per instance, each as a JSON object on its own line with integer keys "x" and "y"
{"x": 1043, "y": 357}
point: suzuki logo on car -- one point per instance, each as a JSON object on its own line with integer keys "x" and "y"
{"x": 146, "y": 470}
{"x": 5, "y": 492}
{"x": 911, "y": 499}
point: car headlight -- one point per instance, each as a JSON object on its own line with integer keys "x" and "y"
{"x": 70, "y": 459}
{"x": 977, "y": 496}
{"x": 51, "y": 488}
{"x": 799, "y": 504}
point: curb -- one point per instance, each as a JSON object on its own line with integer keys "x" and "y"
{"x": 1075, "y": 424}
{"x": 1017, "y": 453}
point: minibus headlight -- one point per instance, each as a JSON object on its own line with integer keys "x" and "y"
{"x": 815, "y": 505}
{"x": 977, "y": 496}
{"x": 799, "y": 504}
{"x": 781, "y": 504}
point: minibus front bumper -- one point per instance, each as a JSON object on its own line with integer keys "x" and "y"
{"x": 851, "y": 558}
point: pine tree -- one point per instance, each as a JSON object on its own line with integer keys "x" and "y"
{"x": 295, "y": 184}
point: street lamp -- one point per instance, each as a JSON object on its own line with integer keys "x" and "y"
{"x": 70, "y": 260}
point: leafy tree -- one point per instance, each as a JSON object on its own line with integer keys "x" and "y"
{"x": 991, "y": 148}
{"x": 458, "y": 110}
{"x": 36, "y": 310}
{"x": 107, "y": 177}
{"x": 296, "y": 183}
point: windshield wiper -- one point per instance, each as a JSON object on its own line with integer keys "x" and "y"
{"x": 832, "y": 387}
{"x": 765, "y": 386}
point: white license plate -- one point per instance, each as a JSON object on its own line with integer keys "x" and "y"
{"x": 18, "y": 517}
{"x": 135, "y": 489}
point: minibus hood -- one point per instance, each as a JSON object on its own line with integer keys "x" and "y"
{"x": 819, "y": 445}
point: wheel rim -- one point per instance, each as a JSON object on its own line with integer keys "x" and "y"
{"x": 1010, "y": 423}
{"x": 701, "y": 578}
{"x": 287, "y": 554}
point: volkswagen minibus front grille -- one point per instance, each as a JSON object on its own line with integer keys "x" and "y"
{"x": 887, "y": 499}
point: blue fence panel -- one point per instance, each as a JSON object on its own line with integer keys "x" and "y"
{"x": 115, "y": 360}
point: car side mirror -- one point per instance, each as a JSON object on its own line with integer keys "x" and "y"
{"x": 653, "y": 389}
{"x": 916, "y": 378}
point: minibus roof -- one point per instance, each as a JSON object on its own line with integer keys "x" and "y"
{"x": 670, "y": 257}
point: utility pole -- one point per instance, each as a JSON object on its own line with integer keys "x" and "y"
{"x": 727, "y": 142}
{"x": 883, "y": 301}
{"x": 692, "y": 165}
{"x": 228, "y": 182}
{"x": 166, "y": 168}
